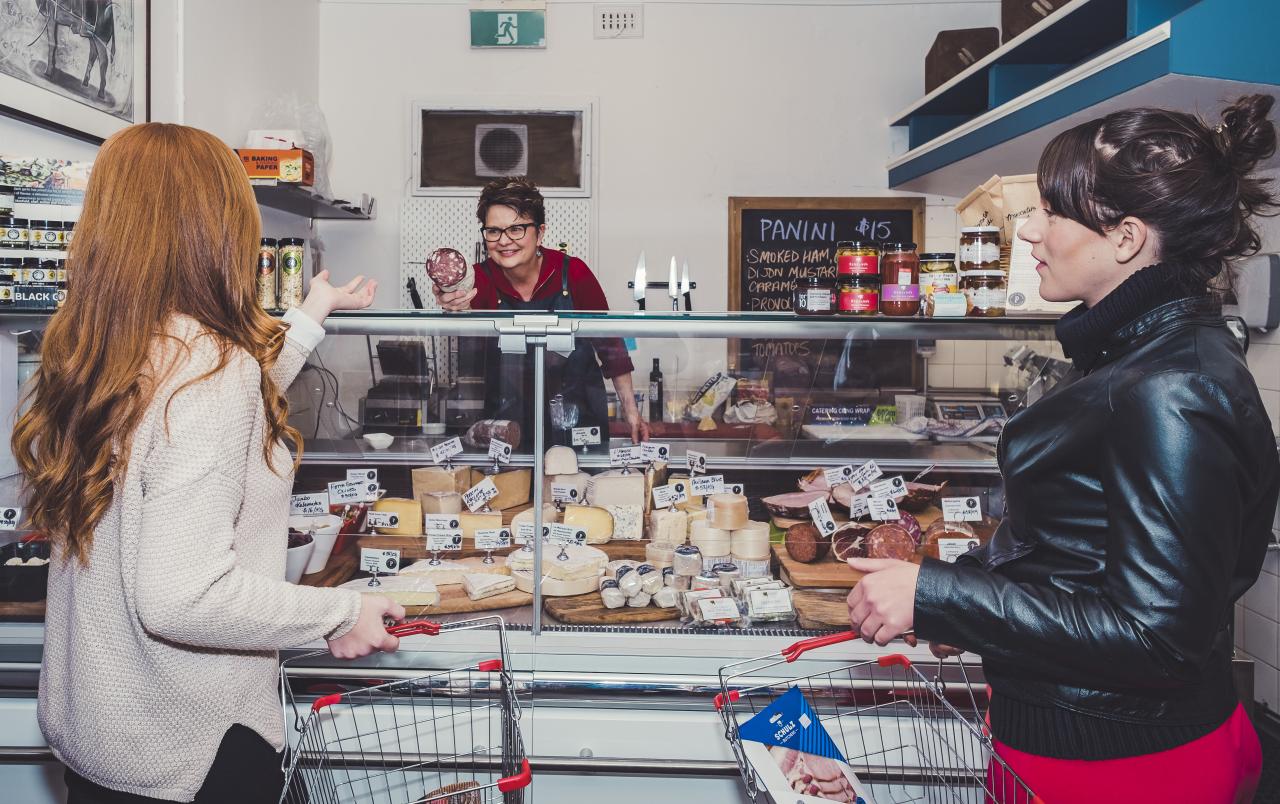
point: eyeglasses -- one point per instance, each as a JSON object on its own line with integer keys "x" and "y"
{"x": 516, "y": 231}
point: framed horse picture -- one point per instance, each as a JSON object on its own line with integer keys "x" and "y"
{"x": 79, "y": 66}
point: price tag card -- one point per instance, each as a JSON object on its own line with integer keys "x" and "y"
{"x": 10, "y": 517}
{"x": 383, "y": 519}
{"x": 493, "y": 539}
{"x": 366, "y": 475}
{"x": 680, "y": 491}
{"x": 478, "y": 495}
{"x": 669, "y": 495}
{"x": 651, "y": 451}
{"x": 707, "y": 485}
{"x": 500, "y": 451}
{"x": 860, "y": 506}
{"x": 524, "y": 533}
{"x": 441, "y": 522}
{"x": 316, "y": 504}
{"x": 883, "y": 509}
{"x": 734, "y": 488}
{"x": 567, "y": 534}
{"x": 863, "y": 475}
{"x": 564, "y": 493}
{"x": 894, "y": 487}
{"x": 951, "y": 549}
{"x": 841, "y": 474}
{"x": 383, "y": 562}
{"x": 961, "y": 509}
{"x": 586, "y": 436}
{"x": 697, "y": 462}
{"x": 346, "y": 491}
{"x": 444, "y": 541}
{"x": 821, "y": 513}
{"x": 446, "y": 449}
{"x": 624, "y": 456}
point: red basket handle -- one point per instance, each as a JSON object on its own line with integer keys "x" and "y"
{"x": 414, "y": 627}
{"x": 793, "y": 652}
{"x": 518, "y": 782}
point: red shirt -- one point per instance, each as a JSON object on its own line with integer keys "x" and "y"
{"x": 584, "y": 289}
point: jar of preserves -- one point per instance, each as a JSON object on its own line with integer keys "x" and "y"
{"x": 900, "y": 300}
{"x": 855, "y": 258}
{"x": 10, "y": 267}
{"x": 985, "y": 292}
{"x": 937, "y": 275}
{"x": 68, "y": 232}
{"x": 290, "y": 263}
{"x": 266, "y": 279}
{"x": 6, "y": 290}
{"x": 899, "y": 264}
{"x": 980, "y": 248}
{"x": 858, "y": 294}
{"x": 43, "y": 235}
{"x": 14, "y": 232}
{"x": 815, "y": 296}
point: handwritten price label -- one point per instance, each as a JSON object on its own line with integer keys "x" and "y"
{"x": 567, "y": 534}
{"x": 500, "y": 451}
{"x": 586, "y": 436}
{"x": 564, "y": 493}
{"x": 841, "y": 474}
{"x": 11, "y": 516}
{"x": 864, "y": 475}
{"x": 625, "y": 456}
{"x": 444, "y": 541}
{"x": 441, "y": 522}
{"x": 480, "y": 494}
{"x": 697, "y": 462}
{"x": 346, "y": 491}
{"x": 821, "y": 513}
{"x": 383, "y": 519}
{"x": 652, "y": 451}
{"x": 316, "y": 504}
{"x": 446, "y": 449}
{"x": 707, "y": 485}
{"x": 382, "y": 562}
{"x": 884, "y": 509}
{"x": 493, "y": 538}
{"x": 961, "y": 509}
{"x": 894, "y": 487}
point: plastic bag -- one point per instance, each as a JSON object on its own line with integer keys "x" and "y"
{"x": 291, "y": 112}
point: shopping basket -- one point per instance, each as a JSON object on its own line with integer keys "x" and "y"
{"x": 907, "y": 736}
{"x": 444, "y": 737}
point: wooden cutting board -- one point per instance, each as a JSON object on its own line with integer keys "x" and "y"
{"x": 821, "y": 611}
{"x": 453, "y": 600}
{"x": 824, "y": 574}
{"x": 414, "y": 548}
{"x": 340, "y": 568}
{"x": 588, "y": 610}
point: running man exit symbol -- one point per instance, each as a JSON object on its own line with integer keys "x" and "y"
{"x": 508, "y": 25}
{"x": 519, "y": 28}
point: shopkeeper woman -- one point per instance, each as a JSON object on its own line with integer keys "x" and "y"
{"x": 154, "y": 452}
{"x": 1140, "y": 492}
{"x": 521, "y": 275}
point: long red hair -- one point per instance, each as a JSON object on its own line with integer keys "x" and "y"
{"x": 170, "y": 226}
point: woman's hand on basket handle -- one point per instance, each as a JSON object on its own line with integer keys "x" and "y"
{"x": 882, "y": 605}
{"x": 938, "y": 649}
{"x": 369, "y": 635}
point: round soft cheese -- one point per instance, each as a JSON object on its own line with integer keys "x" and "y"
{"x": 727, "y": 511}
{"x": 554, "y": 587}
{"x": 659, "y": 555}
{"x": 712, "y": 541}
{"x": 751, "y": 541}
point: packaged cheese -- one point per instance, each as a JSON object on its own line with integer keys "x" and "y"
{"x": 579, "y": 561}
{"x": 555, "y": 587}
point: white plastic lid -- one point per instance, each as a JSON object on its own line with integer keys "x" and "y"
{"x": 979, "y": 229}
{"x": 1000, "y": 274}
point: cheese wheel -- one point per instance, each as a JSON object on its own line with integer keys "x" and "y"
{"x": 555, "y": 587}
{"x": 727, "y": 511}
{"x": 658, "y": 554}
{"x": 453, "y": 571}
{"x": 709, "y": 540}
{"x": 751, "y": 541}
{"x": 560, "y": 460}
{"x": 580, "y": 562}
{"x": 441, "y": 502}
{"x": 409, "y": 512}
{"x": 597, "y": 522}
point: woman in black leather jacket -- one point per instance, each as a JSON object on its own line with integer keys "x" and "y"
{"x": 1140, "y": 491}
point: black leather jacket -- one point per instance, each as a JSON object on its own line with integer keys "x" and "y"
{"x": 1140, "y": 499}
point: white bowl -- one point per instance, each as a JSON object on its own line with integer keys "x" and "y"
{"x": 379, "y": 440}
{"x": 433, "y": 428}
{"x": 325, "y": 530}
{"x": 295, "y": 562}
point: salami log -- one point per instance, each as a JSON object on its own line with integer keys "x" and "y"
{"x": 484, "y": 431}
{"x": 805, "y": 544}
{"x": 890, "y": 540}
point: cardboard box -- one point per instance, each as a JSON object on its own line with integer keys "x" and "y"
{"x": 1017, "y": 16}
{"x": 292, "y": 166}
{"x": 954, "y": 51}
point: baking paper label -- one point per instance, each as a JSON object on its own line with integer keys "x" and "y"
{"x": 864, "y": 475}
{"x": 500, "y": 451}
{"x": 567, "y": 534}
{"x": 841, "y": 474}
{"x": 382, "y": 562}
{"x": 894, "y": 487}
{"x": 652, "y": 451}
{"x": 706, "y": 485}
{"x": 697, "y": 462}
{"x": 383, "y": 519}
{"x": 316, "y": 504}
{"x": 444, "y": 541}
{"x": 961, "y": 509}
{"x": 493, "y": 538}
{"x": 347, "y": 491}
{"x": 586, "y": 436}
{"x": 625, "y": 456}
{"x": 951, "y": 549}
{"x": 480, "y": 494}
{"x": 446, "y": 449}
{"x": 822, "y": 519}
{"x": 564, "y": 493}
{"x": 883, "y": 509}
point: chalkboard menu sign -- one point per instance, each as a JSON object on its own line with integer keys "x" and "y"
{"x": 775, "y": 242}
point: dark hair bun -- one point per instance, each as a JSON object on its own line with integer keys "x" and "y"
{"x": 1248, "y": 136}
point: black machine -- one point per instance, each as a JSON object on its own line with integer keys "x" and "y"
{"x": 402, "y": 401}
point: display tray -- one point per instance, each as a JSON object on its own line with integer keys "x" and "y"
{"x": 588, "y": 610}
{"x": 455, "y": 601}
{"x": 865, "y": 432}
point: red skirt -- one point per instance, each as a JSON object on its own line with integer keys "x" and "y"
{"x": 1221, "y": 767}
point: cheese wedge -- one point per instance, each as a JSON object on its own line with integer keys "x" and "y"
{"x": 597, "y": 522}
{"x": 694, "y": 501}
{"x": 668, "y": 527}
{"x": 560, "y": 460}
{"x": 438, "y": 478}
{"x": 441, "y": 502}
{"x": 628, "y": 521}
{"x": 478, "y": 587}
{"x": 409, "y": 511}
{"x": 581, "y": 561}
{"x": 407, "y": 590}
{"x": 514, "y": 487}
{"x": 555, "y": 587}
{"x": 615, "y": 488}
{"x": 471, "y": 523}
{"x": 452, "y": 571}
{"x": 549, "y": 516}
{"x": 578, "y": 480}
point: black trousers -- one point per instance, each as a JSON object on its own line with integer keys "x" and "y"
{"x": 246, "y": 770}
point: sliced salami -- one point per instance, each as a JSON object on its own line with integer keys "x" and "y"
{"x": 912, "y": 526}
{"x": 446, "y": 267}
{"x": 890, "y": 541}
{"x": 850, "y": 542}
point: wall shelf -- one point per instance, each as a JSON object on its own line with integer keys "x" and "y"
{"x": 301, "y": 201}
{"x": 1088, "y": 59}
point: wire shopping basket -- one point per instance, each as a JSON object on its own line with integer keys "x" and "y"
{"x": 909, "y": 738}
{"x": 444, "y": 737}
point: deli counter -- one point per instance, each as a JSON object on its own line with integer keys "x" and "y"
{"x": 770, "y": 459}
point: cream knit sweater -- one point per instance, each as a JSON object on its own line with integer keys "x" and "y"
{"x": 168, "y": 635}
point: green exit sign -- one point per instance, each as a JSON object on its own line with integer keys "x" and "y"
{"x": 498, "y": 28}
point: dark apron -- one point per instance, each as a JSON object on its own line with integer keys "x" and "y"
{"x": 509, "y": 378}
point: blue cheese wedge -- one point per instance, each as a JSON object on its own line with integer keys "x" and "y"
{"x": 478, "y": 586}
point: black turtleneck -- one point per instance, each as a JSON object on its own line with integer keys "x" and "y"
{"x": 1085, "y": 330}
